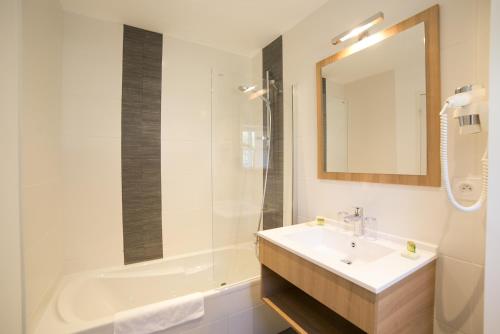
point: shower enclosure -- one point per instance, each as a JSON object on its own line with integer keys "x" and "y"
{"x": 239, "y": 161}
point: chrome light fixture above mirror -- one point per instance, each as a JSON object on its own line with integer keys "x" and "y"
{"x": 359, "y": 29}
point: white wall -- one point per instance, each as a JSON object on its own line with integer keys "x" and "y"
{"x": 91, "y": 143}
{"x": 11, "y": 318}
{"x": 409, "y": 85}
{"x": 40, "y": 152}
{"x": 384, "y": 134}
{"x": 337, "y": 128}
{"x": 372, "y": 124}
{"x": 418, "y": 212}
{"x": 201, "y": 149}
{"x": 492, "y": 268}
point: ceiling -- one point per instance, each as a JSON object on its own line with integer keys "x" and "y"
{"x": 237, "y": 26}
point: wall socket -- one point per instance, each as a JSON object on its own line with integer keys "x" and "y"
{"x": 467, "y": 188}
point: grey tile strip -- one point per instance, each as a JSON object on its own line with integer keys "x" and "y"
{"x": 272, "y": 61}
{"x": 141, "y": 145}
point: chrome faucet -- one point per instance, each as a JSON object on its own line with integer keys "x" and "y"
{"x": 358, "y": 219}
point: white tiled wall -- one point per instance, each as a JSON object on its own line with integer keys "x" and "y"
{"x": 416, "y": 212}
{"x": 40, "y": 152}
{"x": 186, "y": 164}
{"x": 91, "y": 143}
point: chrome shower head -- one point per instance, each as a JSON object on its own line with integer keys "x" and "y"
{"x": 255, "y": 92}
{"x": 247, "y": 88}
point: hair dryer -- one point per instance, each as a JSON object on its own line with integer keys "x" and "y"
{"x": 467, "y": 103}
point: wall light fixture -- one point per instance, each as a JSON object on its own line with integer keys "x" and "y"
{"x": 359, "y": 28}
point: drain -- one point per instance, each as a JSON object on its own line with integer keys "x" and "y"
{"x": 346, "y": 261}
{"x": 223, "y": 283}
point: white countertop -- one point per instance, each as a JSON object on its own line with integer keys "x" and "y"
{"x": 374, "y": 275}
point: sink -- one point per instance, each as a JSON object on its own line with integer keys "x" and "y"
{"x": 348, "y": 249}
{"x": 372, "y": 264}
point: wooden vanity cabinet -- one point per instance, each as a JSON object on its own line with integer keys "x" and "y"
{"x": 314, "y": 300}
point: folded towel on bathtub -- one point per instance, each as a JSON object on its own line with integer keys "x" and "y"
{"x": 159, "y": 316}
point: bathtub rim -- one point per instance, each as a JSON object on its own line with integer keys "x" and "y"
{"x": 83, "y": 326}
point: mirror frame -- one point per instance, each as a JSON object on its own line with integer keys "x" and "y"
{"x": 430, "y": 18}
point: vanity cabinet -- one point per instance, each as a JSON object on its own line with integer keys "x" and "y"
{"x": 314, "y": 300}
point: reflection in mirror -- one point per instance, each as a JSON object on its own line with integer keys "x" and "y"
{"x": 374, "y": 107}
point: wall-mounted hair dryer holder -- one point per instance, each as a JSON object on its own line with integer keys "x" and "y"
{"x": 469, "y": 103}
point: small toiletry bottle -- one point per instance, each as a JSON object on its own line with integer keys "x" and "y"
{"x": 341, "y": 218}
{"x": 320, "y": 220}
{"x": 371, "y": 228}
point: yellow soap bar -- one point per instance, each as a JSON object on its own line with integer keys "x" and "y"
{"x": 411, "y": 247}
{"x": 320, "y": 220}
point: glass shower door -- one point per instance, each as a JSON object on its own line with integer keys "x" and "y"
{"x": 236, "y": 177}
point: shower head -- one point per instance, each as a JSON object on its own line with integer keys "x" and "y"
{"x": 256, "y": 93}
{"x": 247, "y": 88}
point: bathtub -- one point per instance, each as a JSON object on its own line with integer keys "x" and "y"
{"x": 229, "y": 278}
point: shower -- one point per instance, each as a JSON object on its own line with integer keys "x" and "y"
{"x": 264, "y": 95}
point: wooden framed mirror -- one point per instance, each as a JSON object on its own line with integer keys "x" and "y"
{"x": 378, "y": 103}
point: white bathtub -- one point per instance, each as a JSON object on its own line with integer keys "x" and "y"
{"x": 229, "y": 277}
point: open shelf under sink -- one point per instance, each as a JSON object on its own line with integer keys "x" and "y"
{"x": 306, "y": 315}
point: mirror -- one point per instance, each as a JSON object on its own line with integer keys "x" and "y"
{"x": 378, "y": 104}
{"x": 374, "y": 106}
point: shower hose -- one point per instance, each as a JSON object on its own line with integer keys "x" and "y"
{"x": 268, "y": 155}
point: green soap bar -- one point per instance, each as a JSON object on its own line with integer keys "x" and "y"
{"x": 411, "y": 247}
{"x": 320, "y": 220}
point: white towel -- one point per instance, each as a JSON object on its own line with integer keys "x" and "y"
{"x": 159, "y": 316}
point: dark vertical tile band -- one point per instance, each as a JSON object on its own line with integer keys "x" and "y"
{"x": 272, "y": 61}
{"x": 141, "y": 145}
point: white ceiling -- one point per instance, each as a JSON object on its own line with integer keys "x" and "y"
{"x": 238, "y": 26}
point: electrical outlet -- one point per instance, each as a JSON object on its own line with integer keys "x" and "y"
{"x": 467, "y": 188}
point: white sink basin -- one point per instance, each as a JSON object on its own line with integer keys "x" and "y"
{"x": 372, "y": 264}
{"x": 327, "y": 242}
